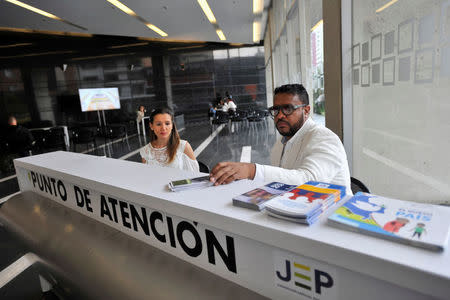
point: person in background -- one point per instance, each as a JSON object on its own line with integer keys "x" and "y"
{"x": 140, "y": 113}
{"x": 19, "y": 139}
{"x": 224, "y": 105}
{"x": 212, "y": 111}
{"x": 306, "y": 151}
{"x": 231, "y": 105}
{"x": 166, "y": 148}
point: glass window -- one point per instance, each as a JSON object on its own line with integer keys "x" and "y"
{"x": 401, "y": 83}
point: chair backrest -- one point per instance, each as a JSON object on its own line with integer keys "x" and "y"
{"x": 54, "y": 138}
{"x": 83, "y": 135}
{"x": 116, "y": 131}
{"x": 358, "y": 186}
{"x": 203, "y": 167}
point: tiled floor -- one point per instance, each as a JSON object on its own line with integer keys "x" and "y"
{"x": 225, "y": 146}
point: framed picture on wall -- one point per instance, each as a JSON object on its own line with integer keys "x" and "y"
{"x": 365, "y": 75}
{"x": 389, "y": 41}
{"x": 365, "y": 52}
{"x": 426, "y": 30}
{"x": 405, "y": 36}
{"x": 424, "y": 67}
{"x": 404, "y": 68}
{"x": 388, "y": 71}
{"x": 355, "y": 76}
{"x": 375, "y": 47}
{"x": 376, "y": 73}
{"x": 355, "y": 55}
{"x": 445, "y": 21}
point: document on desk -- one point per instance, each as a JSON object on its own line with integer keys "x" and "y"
{"x": 417, "y": 224}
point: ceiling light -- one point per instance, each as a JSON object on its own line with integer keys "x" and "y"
{"x": 386, "y": 6}
{"x": 156, "y": 29}
{"x": 317, "y": 25}
{"x": 15, "y": 45}
{"x": 257, "y": 7}
{"x": 128, "y": 11}
{"x": 39, "y": 54}
{"x": 102, "y": 56}
{"x": 128, "y": 45}
{"x": 256, "y": 31}
{"x": 34, "y": 9}
{"x": 187, "y": 47}
{"x": 44, "y": 13}
{"x": 220, "y": 34}
{"x": 122, "y": 7}
{"x": 207, "y": 10}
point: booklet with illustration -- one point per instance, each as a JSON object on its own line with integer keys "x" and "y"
{"x": 190, "y": 183}
{"x": 418, "y": 224}
{"x": 257, "y": 198}
{"x": 302, "y": 202}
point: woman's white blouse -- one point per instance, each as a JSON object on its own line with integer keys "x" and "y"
{"x": 158, "y": 156}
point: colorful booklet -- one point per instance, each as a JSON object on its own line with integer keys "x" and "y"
{"x": 191, "y": 183}
{"x": 303, "y": 202}
{"x": 417, "y": 224}
{"x": 257, "y": 198}
{"x": 329, "y": 186}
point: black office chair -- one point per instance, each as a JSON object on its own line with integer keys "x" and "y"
{"x": 203, "y": 167}
{"x": 54, "y": 139}
{"x": 117, "y": 131}
{"x": 84, "y": 135}
{"x": 358, "y": 186}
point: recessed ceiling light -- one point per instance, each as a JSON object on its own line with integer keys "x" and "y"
{"x": 209, "y": 14}
{"x": 257, "y": 7}
{"x": 386, "y": 6}
{"x": 207, "y": 10}
{"x": 186, "y": 47}
{"x": 221, "y": 35}
{"x": 101, "y": 56}
{"x": 34, "y": 9}
{"x": 130, "y": 12}
{"x": 256, "y": 31}
{"x": 15, "y": 45}
{"x": 44, "y": 13}
{"x": 156, "y": 29}
{"x": 128, "y": 45}
{"x": 122, "y": 7}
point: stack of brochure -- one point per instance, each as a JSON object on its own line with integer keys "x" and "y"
{"x": 189, "y": 184}
{"x": 417, "y": 224}
{"x": 257, "y": 198}
{"x": 305, "y": 203}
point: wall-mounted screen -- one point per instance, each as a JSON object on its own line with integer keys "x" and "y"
{"x": 99, "y": 99}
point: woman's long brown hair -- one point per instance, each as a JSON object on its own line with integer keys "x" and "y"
{"x": 174, "y": 140}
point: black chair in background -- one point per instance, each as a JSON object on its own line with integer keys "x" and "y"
{"x": 84, "y": 135}
{"x": 203, "y": 167}
{"x": 54, "y": 139}
{"x": 221, "y": 118}
{"x": 39, "y": 137}
{"x": 239, "y": 117}
{"x": 256, "y": 117}
{"x": 117, "y": 131}
{"x": 358, "y": 186}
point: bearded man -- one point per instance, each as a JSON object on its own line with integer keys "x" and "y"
{"x": 306, "y": 150}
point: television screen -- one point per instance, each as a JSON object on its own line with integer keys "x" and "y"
{"x": 99, "y": 99}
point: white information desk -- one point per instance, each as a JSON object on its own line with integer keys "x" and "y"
{"x": 276, "y": 258}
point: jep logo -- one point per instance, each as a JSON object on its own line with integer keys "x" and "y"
{"x": 304, "y": 276}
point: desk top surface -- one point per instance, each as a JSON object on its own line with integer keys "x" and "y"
{"x": 140, "y": 183}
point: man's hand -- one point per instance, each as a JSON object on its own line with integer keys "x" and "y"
{"x": 226, "y": 172}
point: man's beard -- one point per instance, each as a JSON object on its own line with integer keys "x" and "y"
{"x": 292, "y": 129}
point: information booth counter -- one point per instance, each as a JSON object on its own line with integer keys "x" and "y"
{"x": 274, "y": 258}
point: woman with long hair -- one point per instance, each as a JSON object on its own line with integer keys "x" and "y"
{"x": 165, "y": 147}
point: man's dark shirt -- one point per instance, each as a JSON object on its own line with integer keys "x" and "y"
{"x": 19, "y": 139}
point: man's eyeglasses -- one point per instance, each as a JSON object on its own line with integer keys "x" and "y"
{"x": 286, "y": 109}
